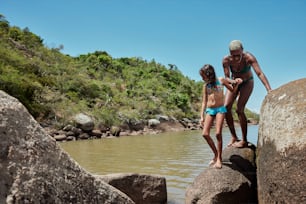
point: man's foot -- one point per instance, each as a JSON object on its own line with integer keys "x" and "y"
{"x": 240, "y": 144}
{"x": 233, "y": 140}
{"x": 218, "y": 165}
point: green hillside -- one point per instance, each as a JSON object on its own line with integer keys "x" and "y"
{"x": 54, "y": 87}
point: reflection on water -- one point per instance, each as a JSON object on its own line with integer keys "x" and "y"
{"x": 177, "y": 156}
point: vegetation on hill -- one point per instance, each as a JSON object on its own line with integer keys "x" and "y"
{"x": 54, "y": 87}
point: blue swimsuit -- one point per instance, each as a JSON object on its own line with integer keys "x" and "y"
{"x": 217, "y": 87}
{"x": 214, "y": 111}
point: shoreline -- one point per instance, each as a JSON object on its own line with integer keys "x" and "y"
{"x": 71, "y": 133}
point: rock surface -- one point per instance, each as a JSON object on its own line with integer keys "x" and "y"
{"x": 141, "y": 188}
{"x": 84, "y": 122}
{"x": 34, "y": 169}
{"x": 234, "y": 183}
{"x": 282, "y": 145}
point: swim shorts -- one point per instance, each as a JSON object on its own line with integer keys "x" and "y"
{"x": 214, "y": 111}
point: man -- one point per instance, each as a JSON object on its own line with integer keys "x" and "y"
{"x": 238, "y": 65}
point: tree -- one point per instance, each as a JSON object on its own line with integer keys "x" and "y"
{"x": 4, "y": 25}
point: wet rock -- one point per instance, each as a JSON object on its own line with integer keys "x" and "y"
{"x": 115, "y": 131}
{"x": 60, "y": 137}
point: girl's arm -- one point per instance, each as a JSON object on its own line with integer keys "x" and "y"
{"x": 231, "y": 84}
{"x": 204, "y": 103}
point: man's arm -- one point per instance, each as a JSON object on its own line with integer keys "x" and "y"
{"x": 226, "y": 67}
{"x": 253, "y": 61}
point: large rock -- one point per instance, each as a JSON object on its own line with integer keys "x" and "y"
{"x": 234, "y": 183}
{"x": 282, "y": 145}
{"x": 84, "y": 122}
{"x": 34, "y": 169}
{"x": 153, "y": 122}
{"x": 141, "y": 188}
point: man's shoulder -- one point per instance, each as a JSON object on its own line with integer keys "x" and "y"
{"x": 226, "y": 60}
{"x": 249, "y": 55}
{"x": 226, "y": 57}
{"x": 250, "y": 58}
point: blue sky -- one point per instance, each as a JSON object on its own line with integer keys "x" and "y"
{"x": 188, "y": 34}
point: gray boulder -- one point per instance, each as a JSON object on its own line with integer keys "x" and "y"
{"x": 34, "y": 169}
{"x": 282, "y": 145}
{"x": 84, "y": 122}
{"x": 153, "y": 122}
{"x": 233, "y": 184}
{"x": 141, "y": 188}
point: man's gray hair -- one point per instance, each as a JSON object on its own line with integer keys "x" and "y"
{"x": 235, "y": 45}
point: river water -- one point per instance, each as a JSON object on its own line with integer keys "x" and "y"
{"x": 177, "y": 156}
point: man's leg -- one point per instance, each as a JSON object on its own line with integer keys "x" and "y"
{"x": 228, "y": 103}
{"x": 245, "y": 93}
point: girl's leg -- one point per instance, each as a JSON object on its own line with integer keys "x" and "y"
{"x": 219, "y": 125}
{"x": 228, "y": 103}
{"x": 206, "y": 134}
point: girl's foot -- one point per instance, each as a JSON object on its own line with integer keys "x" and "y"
{"x": 212, "y": 162}
{"x": 218, "y": 164}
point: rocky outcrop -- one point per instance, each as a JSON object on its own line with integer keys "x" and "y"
{"x": 83, "y": 127}
{"x": 141, "y": 188}
{"x": 34, "y": 169}
{"x": 282, "y": 145}
{"x": 233, "y": 184}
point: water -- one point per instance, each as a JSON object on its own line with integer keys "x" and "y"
{"x": 177, "y": 156}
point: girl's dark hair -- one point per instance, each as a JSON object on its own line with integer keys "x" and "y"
{"x": 209, "y": 71}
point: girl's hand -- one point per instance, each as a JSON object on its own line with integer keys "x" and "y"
{"x": 202, "y": 122}
{"x": 238, "y": 81}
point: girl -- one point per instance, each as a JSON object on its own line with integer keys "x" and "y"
{"x": 213, "y": 108}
